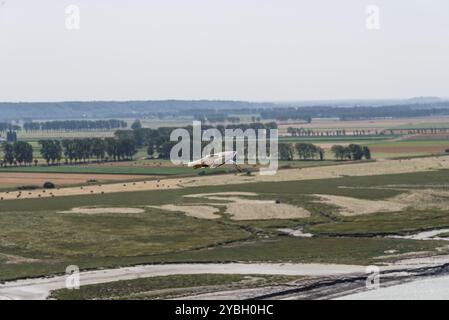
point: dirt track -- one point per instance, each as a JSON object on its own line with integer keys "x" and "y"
{"x": 38, "y": 289}
{"x": 336, "y": 171}
{"x": 15, "y": 179}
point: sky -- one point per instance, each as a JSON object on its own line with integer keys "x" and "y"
{"x": 256, "y": 50}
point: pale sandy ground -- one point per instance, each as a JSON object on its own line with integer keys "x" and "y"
{"x": 252, "y": 209}
{"x": 236, "y": 294}
{"x": 427, "y": 289}
{"x": 13, "y": 259}
{"x": 357, "y": 169}
{"x": 353, "y": 206}
{"x": 21, "y": 178}
{"x": 264, "y": 211}
{"x": 421, "y": 199}
{"x": 40, "y": 288}
{"x": 220, "y": 195}
{"x": 425, "y": 199}
{"x": 97, "y": 210}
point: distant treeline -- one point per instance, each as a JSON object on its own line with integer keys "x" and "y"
{"x": 115, "y": 109}
{"x": 8, "y": 127}
{"x": 75, "y": 125}
{"x": 353, "y": 113}
{"x": 216, "y": 111}
{"x": 309, "y": 151}
{"x": 157, "y": 141}
{"x": 19, "y": 152}
{"x": 73, "y": 150}
{"x": 306, "y": 114}
{"x": 217, "y": 117}
{"x": 301, "y": 132}
{"x": 82, "y": 150}
{"x": 123, "y": 146}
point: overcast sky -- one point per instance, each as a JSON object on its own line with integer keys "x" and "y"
{"x": 223, "y": 49}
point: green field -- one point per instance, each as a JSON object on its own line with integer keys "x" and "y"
{"x": 149, "y": 167}
{"x": 105, "y": 169}
{"x": 36, "y": 232}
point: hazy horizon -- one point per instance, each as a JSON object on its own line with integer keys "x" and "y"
{"x": 404, "y": 99}
{"x": 261, "y": 51}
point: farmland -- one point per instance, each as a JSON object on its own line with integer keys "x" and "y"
{"x": 42, "y": 241}
{"x": 152, "y": 212}
{"x": 129, "y": 169}
{"x": 12, "y": 180}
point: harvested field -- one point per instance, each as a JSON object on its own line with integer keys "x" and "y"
{"x": 367, "y": 124}
{"x": 335, "y": 171}
{"x": 16, "y": 179}
{"x": 202, "y": 212}
{"x": 409, "y": 149}
{"x": 104, "y": 210}
{"x": 434, "y": 136}
{"x": 352, "y": 169}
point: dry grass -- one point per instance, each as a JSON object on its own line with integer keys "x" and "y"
{"x": 14, "y": 259}
{"x": 16, "y": 179}
{"x": 354, "y": 169}
{"x": 352, "y": 206}
{"x": 424, "y": 199}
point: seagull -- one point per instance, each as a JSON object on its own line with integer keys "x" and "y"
{"x": 216, "y": 160}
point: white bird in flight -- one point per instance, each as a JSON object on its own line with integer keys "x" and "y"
{"x": 216, "y": 160}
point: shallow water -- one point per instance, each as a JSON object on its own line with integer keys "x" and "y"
{"x": 425, "y": 235}
{"x": 296, "y": 232}
{"x": 429, "y": 289}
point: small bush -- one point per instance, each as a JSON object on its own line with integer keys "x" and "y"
{"x": 49, "y": 185}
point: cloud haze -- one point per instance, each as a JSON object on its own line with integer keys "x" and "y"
{"x": 222, "y": 49}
